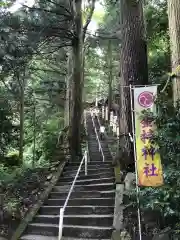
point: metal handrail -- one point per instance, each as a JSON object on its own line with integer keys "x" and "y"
{"x": 97, "y": 137}
{"x": 85, "y": 125}
{"x": 105, "y": 132}
{"x": 98, "y": 120}
{"x": 61, "y": 214}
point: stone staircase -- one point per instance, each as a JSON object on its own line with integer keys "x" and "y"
{"x": 90, "y": 210}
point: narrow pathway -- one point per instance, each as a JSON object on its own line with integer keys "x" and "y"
{"x": 89, "y": 214}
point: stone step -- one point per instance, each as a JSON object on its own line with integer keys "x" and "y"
{"x": 90, "y": 167}
{"x": 80, "y": 201}
{"x": 72, "y": 164}
{"x": 92, "y": 176}
{"x": 87, "y": 231}
{"x": 95, "y": 157}
{"x": 73, "y": 210}
{"x": 100, "y": 158}
{"x": 38, "y": 237}
{"x": 107, "y": 172}
{"x": 95, "y": 147}
{"x": 92, "y": 163}
{"x": 93, "y": 142}
{"x": 69, "y": 238}
{"x": 90, "y": 187}
{"x": 84, "y": 194}
{"x": 91, "y": 171}
{"x": 95, "y": 153}
{"x": 98, "y": 153}
{"x": 105, "y": 150}
{"x": 44, "y": 229}
{"x": 83, "y": 220}
{"x": 69, "y": 230}
{"x": 88, "y": 181}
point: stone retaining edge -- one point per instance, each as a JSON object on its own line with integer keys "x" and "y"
{"x": 33, "y": 211}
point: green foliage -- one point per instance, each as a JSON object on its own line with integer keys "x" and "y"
{"x": 25, "y": 45}
{"x": 4, "y": 175}
{"x": 49, "y": 144}
{"x": 158, "y": 39}
{"x": 12, "y": 159}
{"x": 10, "y": 174}
{"x": 6, "y": 126}
{"x": 156, "y": 18}
{"x": 166, "y": 198}
{"x": 12, "y": 207}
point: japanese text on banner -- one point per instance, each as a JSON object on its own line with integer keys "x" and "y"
{"x": 148, "y": 158}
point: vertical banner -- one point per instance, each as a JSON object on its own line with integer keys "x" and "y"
{"x": 148, "y": 158}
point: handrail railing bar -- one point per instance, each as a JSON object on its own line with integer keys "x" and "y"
{"x": 61, "y": 214}
{"x": 97, "y": 137}
{"x": 99, "y": 126}
{"x": 85, "y": 165}
{"x": 105, "y": 131}
{"x": 85, "y": 123}
{"x": 72, "y": 186}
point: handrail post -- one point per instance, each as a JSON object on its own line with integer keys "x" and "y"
{"x": 88, "y": 157}
{"x": 61, "y": 216}
{"x": 85, "y": 163}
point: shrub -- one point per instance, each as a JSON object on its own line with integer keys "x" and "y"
{"x": 167, "y": 198}
{"x": 12, "y": 159}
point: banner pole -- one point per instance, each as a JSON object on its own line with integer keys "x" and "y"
{"x": 135, "y": 159}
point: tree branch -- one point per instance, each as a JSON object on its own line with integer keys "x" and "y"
{"x": 47, "y": 70}
{"x": 105, "y": 37}
{"x": 55, "y": 3}
{"x": 53, "y": 51}
{"x": 48, "y": 11}
{"x": 89, "y": 18}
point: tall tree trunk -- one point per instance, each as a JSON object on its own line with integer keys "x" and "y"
{"x": 67, "y": 114}
{"x": 83, "y": 81}
{"x": 174, "y": 29}
{"x": 21, "y": 141}
{"x": 34, "y": 135}
{"x": 134, "y": 68}
{"x": 109, "y": 55}
{"x": 77, "y": 82}
{"x": 85, "y": 50}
